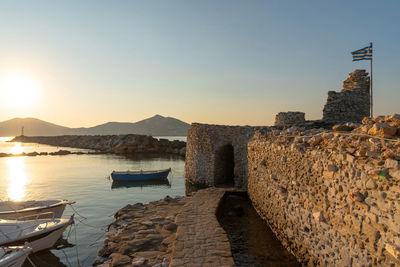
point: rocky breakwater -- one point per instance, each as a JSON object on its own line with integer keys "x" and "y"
{"x": 60, "y": 152}
{"x": 115, "y": 144}
{"x": 331, "y": 197}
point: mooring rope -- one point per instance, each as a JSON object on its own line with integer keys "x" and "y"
{"x": 172, "y": 176}
{"x": 97, "y": 239}
{"x": 80, "y": 219}
{"x": 83, "y": 261}
{"x": 80, "y": 215}
{"x": 31, "y": 262}
{"x": 102, "y": 228}
{"x": 66, "y": 257}
{"x": 76, "y": 248}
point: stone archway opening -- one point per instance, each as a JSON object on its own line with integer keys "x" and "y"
{"x": 224, "y": 166}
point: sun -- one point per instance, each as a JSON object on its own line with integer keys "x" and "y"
{"x": 17, "y": 149}
{"x": 19, "y": 91}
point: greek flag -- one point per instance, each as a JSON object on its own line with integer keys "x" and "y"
{"x": 363, "y": 53}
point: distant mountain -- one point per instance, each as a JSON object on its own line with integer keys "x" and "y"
{"x": 155, "y": 126}
{"x": 31, "y": 126}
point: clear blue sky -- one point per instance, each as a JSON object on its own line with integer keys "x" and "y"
{"x": 224, "y": 62}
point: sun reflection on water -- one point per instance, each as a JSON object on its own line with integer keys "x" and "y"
{"x": 17, "y": 178}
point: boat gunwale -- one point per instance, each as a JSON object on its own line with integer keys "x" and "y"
{"x": 140, "y": 172}
{"x": 59, "y": 203}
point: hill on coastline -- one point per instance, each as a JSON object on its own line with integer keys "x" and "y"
{"x": 155, "y": 126}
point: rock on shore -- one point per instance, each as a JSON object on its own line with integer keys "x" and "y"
{"x": 141, "y": 235}
{"x": 115, "y": 144}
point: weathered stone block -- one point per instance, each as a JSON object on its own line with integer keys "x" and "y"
{"x": 395, "y": 173}
{"x": 382, "y": 129}
{"x": 370, "y": 184}
{"x": 393, "y": 250}
{"x": 392, "y": 164}
{"x": 342, "y": 128}
{"x": 289, "y": 118}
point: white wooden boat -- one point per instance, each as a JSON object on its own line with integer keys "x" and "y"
{"x": 26, "y": 209}
{"x": 13, "y": 256}
{"x": 38, "y": 234}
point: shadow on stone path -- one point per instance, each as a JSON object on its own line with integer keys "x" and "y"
{"x": 252, "y": 241}
{"x": 200, "y": 240}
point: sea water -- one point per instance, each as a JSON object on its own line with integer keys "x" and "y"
{"x": 86, "y": 180}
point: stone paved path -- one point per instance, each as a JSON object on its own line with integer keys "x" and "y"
{"x": 200, "y": 240}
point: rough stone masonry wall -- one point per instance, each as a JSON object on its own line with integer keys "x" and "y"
{"x": 289, "y": 118}
{"x": 353, "y": 102}
{"x": 204, "y": 142}
{"x": 332, "y": 198}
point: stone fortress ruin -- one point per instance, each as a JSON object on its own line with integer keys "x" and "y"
{"x": 213, "y": 151}
{"x": 329, "y": 189}
{"x": 353, "y": 102}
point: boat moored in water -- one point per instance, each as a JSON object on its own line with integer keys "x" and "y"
{"x": 147, "y": 183}
{"x": 140, "y": 175}
{"x": 14, "y": 256}
{"x": 25, "y": 209}
{"x": 38, "y": 234}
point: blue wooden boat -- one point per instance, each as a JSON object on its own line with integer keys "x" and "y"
{"x": 163, "y": 182}
{"x": 140, "y": 175}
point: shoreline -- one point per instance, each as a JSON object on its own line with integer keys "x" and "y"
{"x": 60, "y": 152}
{"x": 195, "y": 230}
{"x": 180, "y": 231}
{"x": 126, "y": 145}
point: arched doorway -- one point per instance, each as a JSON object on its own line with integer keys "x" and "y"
{"x": 224, "y": 166}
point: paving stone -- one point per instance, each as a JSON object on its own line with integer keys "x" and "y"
{"x": 197, "y": 218}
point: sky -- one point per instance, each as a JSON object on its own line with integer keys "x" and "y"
{"x": 83, "y": 63}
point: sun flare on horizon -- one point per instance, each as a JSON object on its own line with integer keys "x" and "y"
{"x": 19, "y": 91}
{"x": 17, "y": 149}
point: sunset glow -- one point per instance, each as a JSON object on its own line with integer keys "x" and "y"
{"x": 19, "y": 91}
{"x": 17, "y": 149}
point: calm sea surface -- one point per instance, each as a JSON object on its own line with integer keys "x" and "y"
{"x": 84, "y": 179}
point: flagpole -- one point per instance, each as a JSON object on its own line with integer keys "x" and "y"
{"x": 370, "y": 86}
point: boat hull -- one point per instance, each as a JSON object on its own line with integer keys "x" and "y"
{"x": 16, "y": 259}
{"x": 47, "y": 241}
{"x": 137, "y": 176}
{"x": 42, "y": 241}
{"x": 16, "y": 262}
{"x": 146, "y": 183}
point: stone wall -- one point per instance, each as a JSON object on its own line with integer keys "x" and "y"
{"x": 289, "y": 118}
{"x": 353, "y": 102}
{"x": 217, "y": 154}
{"x": 332, "y": 198}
